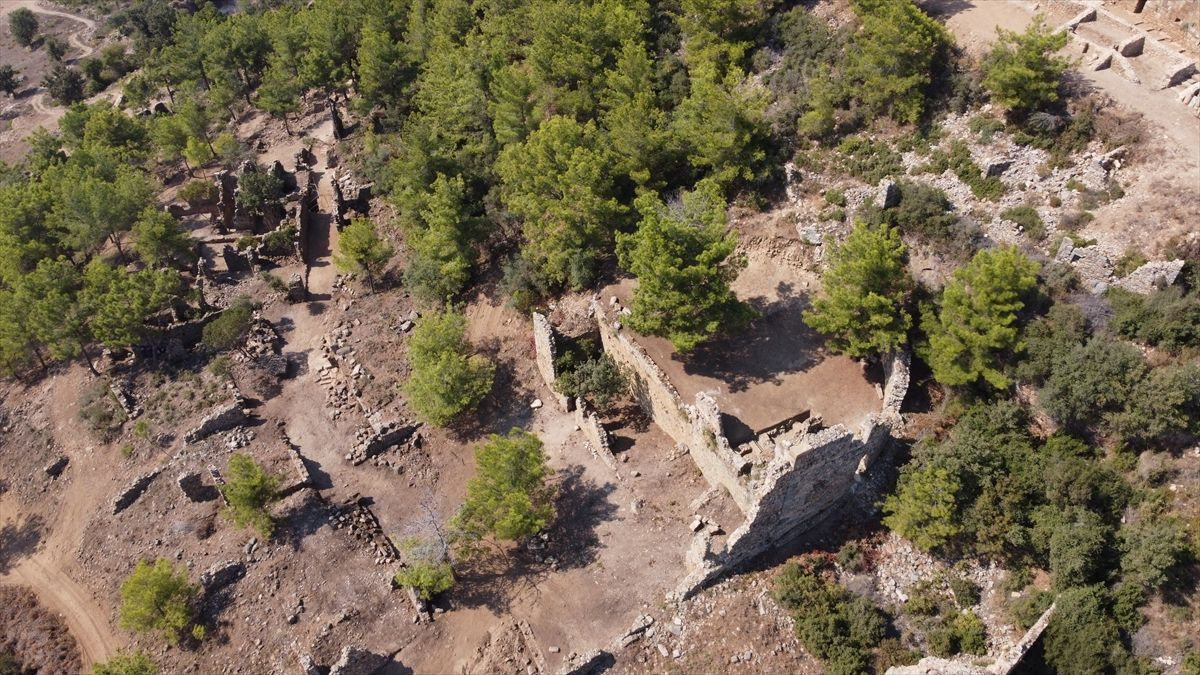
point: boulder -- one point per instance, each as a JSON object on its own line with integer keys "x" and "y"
{"x": 54, "y": 469}
{"x": 996, "y": 166}
{"x": 191, "y": 485}
{"x": 221, "y": 575}
{"x": 358, "y": 661}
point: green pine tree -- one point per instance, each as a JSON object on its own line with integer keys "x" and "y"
{"x": 866, "y": 286}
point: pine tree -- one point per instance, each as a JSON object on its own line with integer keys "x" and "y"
{"x": 279, "y": 93}
{"x": 865, "y": 287}
{"x": 636, "y": 123}
{"x": 891, "y": 58}
{"x": 158, "y": 238}
{"x": 508, "y": 497}
{"x": 683, "y": 266}
{"x": 10, "y": 79}
{"x": 558, "y": 183}
{"x": 249, "y": 489}
{"x": 977, "y": 328}
{"x": 720, "y": 126}
{"x": 1022, "y": 70}
{"x": 440, "y": 263}
{"x": 361, "y": 250}
{"x": 446, "y": 378}
{"x": 382, "y": 69}
{"x": 157, "y": 597}
{"x": 119, "y": 302}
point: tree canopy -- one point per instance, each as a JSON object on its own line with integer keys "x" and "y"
{"x": 157, "y": 597}
{"x": 866, "y": 288}
{"x": 1022, "y": 70}
{"x": 682, "y": 260}
{"x": 508, "y": 497}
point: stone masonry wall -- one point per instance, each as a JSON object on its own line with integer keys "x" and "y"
{"x": 546, "y": 350}
{"x": 596, "y": 435}
{"x": 695, "y": 427}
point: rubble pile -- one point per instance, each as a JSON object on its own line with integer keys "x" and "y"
{"x": 360, "y": 523}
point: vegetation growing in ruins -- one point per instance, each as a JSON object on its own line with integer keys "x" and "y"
{"x": 426, "y": 568}
{"x": 866, "y": 287}
{"x": 447, "y": 378}
{"x": 836, "y": 627}
{"x": 249, "y": 489}
{"x": 509, "y": 497}
{"x": 683, "y": 264}
{"x": 157, "y": 597}
{"x": 361, "y": 250}
{"x": 228, "y": 330}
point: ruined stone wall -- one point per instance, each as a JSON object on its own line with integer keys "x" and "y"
{"x": 546, "y": 351}
{"x": 596, "y": 435}
{"x": 696, "y": 427}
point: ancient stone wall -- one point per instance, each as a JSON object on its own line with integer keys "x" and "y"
{"x": 596, "y": 435}
{"x": 698, "y": 427}
{"x": 546, "y": 351}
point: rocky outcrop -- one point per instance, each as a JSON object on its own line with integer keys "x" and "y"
{"x": 1152, "y": 275}
{"x": 358, "y": 661}
{"x": 221, "y": 575}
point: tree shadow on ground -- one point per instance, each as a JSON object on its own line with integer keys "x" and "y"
{"x": 19, "y": 541}
{"x": 778, "y": 342}
{"x": 294, "y": 526}
{"x": 505, "y": 407}
{"x": 497, "y": 577}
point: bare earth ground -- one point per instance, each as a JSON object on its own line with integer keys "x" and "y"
{"x": 618, "y": 545}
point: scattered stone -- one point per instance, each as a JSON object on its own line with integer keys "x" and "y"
{"x": 130, "y": 494}
{"x": 357, "y": 661}
{"x": 537, "y": 403}
{"x": 223, "y": 417}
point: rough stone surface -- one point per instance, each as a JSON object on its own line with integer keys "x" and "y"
{"x": 545, "y": 351}
{"x": 358, "y": 661}
{"x": 223, "y": 417}
{"x": 191, "y": 485}
{"x": 591, "y": 663}
{"x": 130, "y": 494}
{"x": 221, "y": 575}
{"x": 888, "y": 194}
{"x": 1151, "y": 275}
{"x": 596, "y": 435}
{"x": 1132, "y": 46}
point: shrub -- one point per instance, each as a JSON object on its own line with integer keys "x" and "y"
{"x": 221, "y": 366}
{"x": 1027, "y": 217}
{"x": 157, "y": 597}
{"x": 446, "y": 379}
{"x": 985, "y": 127}
{"x": 1168, "y": 318}
{"x": 1075, "y": 220}
{"x": 249, "y": 489}
{"x": 1077, "y": 551}
{"x": 832, "y": 625}
{"x": 891, "y": 653}
{"x": 280, "y": 241}
{"x": 966, "y": 592}
{"x": 259, "y": 190}
{"x": 65, "y": 85}
{"x": 229, "y": 328}
{"x": 129, "y": 663}
{"x": 1092, "y": 380}
{"x": 968, "y": 171}
{"x": 100, "y": 410}
{"x": 23, "y": 24}
{"x": 1151, "y": 548}
{"x": 835, "y": 197}
{"x": 1082, "y": 638}
{"x": 427, "y": 568}
{"x": 10, "y": 79}
{"x": 1027, "y": 609}
{"x": 597, "y": 380}
{"x": 869, "y": 160}
{"x": 925, "y": 212}
{"x": 198, "y": 192}
{"x": 923, "y": 600}
{"x": 851, "y": 557}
